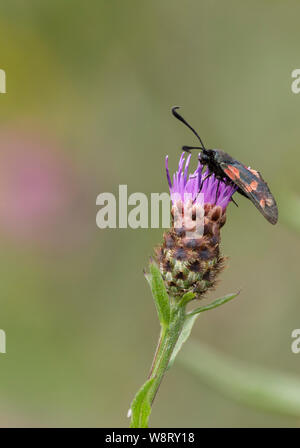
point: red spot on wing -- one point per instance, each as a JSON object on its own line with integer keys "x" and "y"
{"x": 262, "y": 203}
{"x": 232, "y": 172}
{"x": 252, "y": 186}
{"x": 254, "y": 172}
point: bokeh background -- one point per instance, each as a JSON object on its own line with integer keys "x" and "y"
{"x": 89, "y": 90}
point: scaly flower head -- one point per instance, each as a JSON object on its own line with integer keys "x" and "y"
{"x": 192, "y": 264}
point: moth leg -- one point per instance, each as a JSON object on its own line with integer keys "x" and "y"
{"x": 201, "y": 185}
{"x": 217, "y": 192}
{"x": 234, "y": 201}
{"x": 239, "y": 190}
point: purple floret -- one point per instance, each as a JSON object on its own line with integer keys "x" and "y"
{"x": 190, "y": 183}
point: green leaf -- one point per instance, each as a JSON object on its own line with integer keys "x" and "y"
{"x": 214, "y": 304}
{"x": 185, "y": 333}
{"x": 160, "y": 295}
{"x": 188, "y": 296}
{"x": 191, "y": 318}
{"x": 141, "y": 406}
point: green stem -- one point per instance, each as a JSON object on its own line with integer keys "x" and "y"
{"x": 158, "y": 350}
{"x": 176, "y": 326}
{"x": 166, "y": 345}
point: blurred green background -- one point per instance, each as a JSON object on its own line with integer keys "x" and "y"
{"x": 89, "y": 90}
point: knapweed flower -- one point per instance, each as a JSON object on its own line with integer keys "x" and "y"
{"x": 193, "y": 263}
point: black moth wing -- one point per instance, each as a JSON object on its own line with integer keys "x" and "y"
{"x": 253, "y": 186}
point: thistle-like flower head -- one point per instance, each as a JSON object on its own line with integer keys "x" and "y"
{"x": 214, "y": 191}
{"x": 192, "y": 264}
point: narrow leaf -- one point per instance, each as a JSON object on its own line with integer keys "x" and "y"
{"x": 214, "y": 304}
{"x": 141, "y": 407}
{"x": 160, "y": 295}
{"x": 185, "y": 333}
{"x": 190, "y": 320}
{"x": 188, "y": 296}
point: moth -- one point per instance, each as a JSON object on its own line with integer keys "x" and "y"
{"x": 226, "y": 169}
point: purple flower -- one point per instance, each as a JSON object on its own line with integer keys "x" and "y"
{"x": 184, "y": 183}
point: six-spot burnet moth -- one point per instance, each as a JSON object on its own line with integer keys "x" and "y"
{"x": 226, "y": 169}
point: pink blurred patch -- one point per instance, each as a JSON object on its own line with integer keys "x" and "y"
{"x": 36, "y": 188}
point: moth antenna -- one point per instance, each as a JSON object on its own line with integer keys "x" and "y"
{"x": 180, "y": 118}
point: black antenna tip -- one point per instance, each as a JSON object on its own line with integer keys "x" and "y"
{"x": 174, "y": 108}
{"x": 180, "y": 118}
